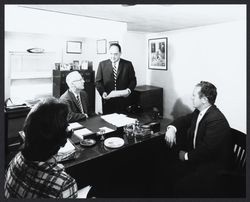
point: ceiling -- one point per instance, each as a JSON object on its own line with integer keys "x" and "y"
{"x": 153, "y": 17}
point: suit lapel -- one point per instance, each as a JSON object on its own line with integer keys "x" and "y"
{"x": 119, "y": 68}
{"x": 74, "y": 99}
{"x": 83, "y": 103}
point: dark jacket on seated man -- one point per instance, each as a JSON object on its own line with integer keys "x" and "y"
{"x": 74, "y": 109}
{"x": 203, "y": 145}
{"x": 34, "y": 172}
{"x": 76, "y": 98}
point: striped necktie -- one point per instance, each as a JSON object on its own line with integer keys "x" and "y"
{"x": 78, "y": 101}
{"x": 115, "y": 74}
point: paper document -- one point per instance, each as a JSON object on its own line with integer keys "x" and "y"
{"x": 106, "y": 129}
{"x": 75, "y": 126}
{"x": 82, "y": 132}
{"x": 117, "y": 93}
{"x": 118, "y": 120}
{"x": 82, "y": 193}
{"x": 68, "y": 148}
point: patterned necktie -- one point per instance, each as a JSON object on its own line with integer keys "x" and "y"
{"x": 115, "y": 74}
{"x": 196, "y": 128}
{"x": 79, "y": 103}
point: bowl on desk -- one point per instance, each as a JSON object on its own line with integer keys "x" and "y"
{"x": 87, "y": 142}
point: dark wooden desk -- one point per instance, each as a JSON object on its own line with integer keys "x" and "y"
{"x": 123, "y": 172}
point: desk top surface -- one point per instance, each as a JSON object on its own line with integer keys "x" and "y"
{"x": 85, "y": 154}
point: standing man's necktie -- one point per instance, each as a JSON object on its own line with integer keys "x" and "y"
{"x": 196, "y": 128}
{"x": 115, "y": 74}
{"x": 79, "y": 103}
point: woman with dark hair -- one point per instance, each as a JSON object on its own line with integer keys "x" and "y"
{"x": 34, "y": 172}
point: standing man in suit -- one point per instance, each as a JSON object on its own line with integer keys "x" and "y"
{"x": 115, "y": 74}
{"x": 75, "y": 97}
{"x": 203, "y": 145}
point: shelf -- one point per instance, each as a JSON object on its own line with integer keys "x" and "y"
{"x": 31, "y": 75}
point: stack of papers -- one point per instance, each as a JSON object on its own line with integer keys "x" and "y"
{"x": 75, "y": 125}
{"x": 119, "y": 120}
{"x": 66, "y": 152}
{"x": 82, "y": 132}
{"x": 117, "y": 93}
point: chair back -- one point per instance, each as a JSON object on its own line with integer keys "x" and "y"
{"x": 239, "y": 140}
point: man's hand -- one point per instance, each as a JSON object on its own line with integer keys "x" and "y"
{"x": 182, "y": 155}
{"x": 170, "y": 136}
{"x": 104, "y": 96}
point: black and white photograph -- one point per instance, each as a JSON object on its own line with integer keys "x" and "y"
{"x": 121, "y": 101}
{"x": 157, "y": 56}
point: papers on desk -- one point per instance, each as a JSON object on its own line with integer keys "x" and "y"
{"x": 82, "y": 193}
{"x": 117, "y": 93}
{"x": 82, "y": 132}
{"x": 66, "y": 152}
{"x": 118, "y": 120}
{"x": 106, "y": 129}
{"x": 75, "y": 126}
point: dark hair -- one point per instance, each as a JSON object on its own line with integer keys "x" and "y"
{"x": 117, "y": 45}
{"x": 45, "y": 130}
{"x": 208, "y": 90}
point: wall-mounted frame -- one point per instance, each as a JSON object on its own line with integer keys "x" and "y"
{"x": 157, "y": 53}
{"x": 101, "y": 46}
{"x": 74, "y": 47}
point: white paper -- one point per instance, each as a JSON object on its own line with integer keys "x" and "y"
{"x": 118, "y": 120}
{"x": 74, "y": 126}
{"x": 82, "y": 193}
{"x": 82, "y": 132}
{"x": 117, "y": 93}
{"x": 68, "y": 148}
{"x": 106, "y": 129}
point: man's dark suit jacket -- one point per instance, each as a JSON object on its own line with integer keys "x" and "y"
{"x": 105, "y": 83}
{"x": 74, "y": 110}
{"x": 212, "y": 154}
{"x": 213, "y": 138}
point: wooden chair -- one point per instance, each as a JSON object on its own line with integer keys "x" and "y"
{"x": 234, "y": 180}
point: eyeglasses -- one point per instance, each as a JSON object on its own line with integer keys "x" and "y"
{"x": 79, "y": 80}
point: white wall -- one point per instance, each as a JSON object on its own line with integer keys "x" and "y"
{"x": 134, "y": 49}
{"x": 215, "y": 53}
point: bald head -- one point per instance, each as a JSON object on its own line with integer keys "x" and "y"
{"x": 75, "y": 81}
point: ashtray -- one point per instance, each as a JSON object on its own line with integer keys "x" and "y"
{"x": 87, "y": 142}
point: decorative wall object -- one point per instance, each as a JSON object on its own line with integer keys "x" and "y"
{"x": 101, "y": 46}
{"x": 157, "y": 54}
{"x": 74, "y": 47}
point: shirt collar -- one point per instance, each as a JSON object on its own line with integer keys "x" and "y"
{"x": 202, "y": 113}
{"x": 116, "y": 63}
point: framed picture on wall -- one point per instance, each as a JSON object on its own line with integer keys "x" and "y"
{"x": 157, "y": 53}
{"x": 74, "y": 47}
{"x": 101, "y": 46}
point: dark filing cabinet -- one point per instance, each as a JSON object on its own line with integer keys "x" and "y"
{"x": 60, "y": 85}
{"x": 148, "y": 97}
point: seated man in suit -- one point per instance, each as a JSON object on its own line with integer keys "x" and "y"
{"x": 76, "y": 98}
{"x": 203, "y": 145}
{"x": 112, "y": 75}
{"x": 34, "y": 172}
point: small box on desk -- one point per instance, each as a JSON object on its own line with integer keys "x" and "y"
{"x": 154, "y": 126}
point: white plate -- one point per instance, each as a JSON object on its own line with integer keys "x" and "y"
{"x": 114, "y": 142}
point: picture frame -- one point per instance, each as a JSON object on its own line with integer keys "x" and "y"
{"x": 101, "y": 46}
{"x": 74, "y": 47}
{"x": 157, "y": 53}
